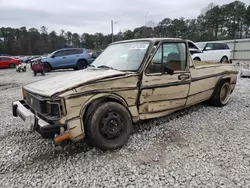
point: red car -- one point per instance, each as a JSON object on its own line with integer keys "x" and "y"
{"x": 8, "y": 62}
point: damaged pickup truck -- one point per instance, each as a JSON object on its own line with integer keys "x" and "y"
{"x": 130, "y": 81}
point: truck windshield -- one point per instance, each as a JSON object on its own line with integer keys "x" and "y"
{"x": 122, "y": 56}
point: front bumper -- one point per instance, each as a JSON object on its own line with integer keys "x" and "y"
{"x": 33, "y": 122}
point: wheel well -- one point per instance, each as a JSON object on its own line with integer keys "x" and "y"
{"x": 218, "y": 82}
{"x": 47, "y": 63}
{"x": 224, "y": 56}
{"x": 96, "y": 102}
{"x": 82, "y": 60}
{"x": 197, "y": 58}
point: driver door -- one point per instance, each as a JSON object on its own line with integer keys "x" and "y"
{"x": 208, "y": 55}
{"x": 60, "y": 59}
{"x": 162, "y": 93}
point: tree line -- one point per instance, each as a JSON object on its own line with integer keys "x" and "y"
{"x": 229, "y": 21}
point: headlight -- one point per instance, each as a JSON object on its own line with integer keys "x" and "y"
{"x": 53, "y": 109}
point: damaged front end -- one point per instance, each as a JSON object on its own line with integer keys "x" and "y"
{"x": 40, "y": 114}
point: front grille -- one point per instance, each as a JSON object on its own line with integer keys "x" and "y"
{"x": 37, "y": 104}
{"x": 45, "y": 108}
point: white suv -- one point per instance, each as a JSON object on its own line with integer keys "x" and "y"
{"x": 210, "y": 51}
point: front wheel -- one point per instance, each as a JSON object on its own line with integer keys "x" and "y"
{"x": 109, "y": 126}
{"x": 47, "y": 67}
{"x": 221, "y": 94}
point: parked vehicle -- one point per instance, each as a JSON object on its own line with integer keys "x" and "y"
{"x": 21, "y": 68}
{"x": 37, "y": 67}
{"x": 4, "y": 55}
{"x": 76, "y": 58}
{"x": 96, "y": 53}
{"x": 130, "y": 81}
{"x": 211, "y": 52}
{"x": 245, "y": 70}
{"x": 8, "y": 62}
{"x": 28, "y": 60}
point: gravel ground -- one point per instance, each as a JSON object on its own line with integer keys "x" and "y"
{"x": 201, "y": 146}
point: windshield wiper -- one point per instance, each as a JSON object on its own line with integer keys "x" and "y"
{"x": 105, "y": 66}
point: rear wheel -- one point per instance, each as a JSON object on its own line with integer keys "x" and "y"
{"x": 109, "y": 126}
{"x": 221, "y": 94}
{"x": 34, "y": 73}
{"x": 47, "y": 67}
{"x": 12, "y": 65}
{"x": 224, "y": 59}
{"x": 81, "y": 65}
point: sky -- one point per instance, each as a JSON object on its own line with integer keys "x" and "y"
{"x": 93, "y": 16}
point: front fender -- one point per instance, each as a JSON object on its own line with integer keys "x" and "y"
{"x": 100, "y": 96}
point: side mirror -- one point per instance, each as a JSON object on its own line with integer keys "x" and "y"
{"x": 208, "y": 48}
{"x": 168, "y": 70}
{"x": 52, "y": 56}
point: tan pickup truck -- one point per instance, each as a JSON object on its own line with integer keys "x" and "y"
{"x": 130, "y": 81}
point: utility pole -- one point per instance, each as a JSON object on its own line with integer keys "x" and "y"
{"x": 146, "y": 19}
{"x": 112, "y": 30}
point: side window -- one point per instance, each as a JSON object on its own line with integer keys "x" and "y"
{"x": 221, "y": 46}
{"x": 168, "y": 54}
{"x": 5, "y": 58}
{"x": 226, "y": 47}
{"x": 71, "y": 52}
{"x": 79, "y": 51}
{"x": 60, "y": 53}
{"x": 211, "y": 45}
{"x": 74, "y": 52}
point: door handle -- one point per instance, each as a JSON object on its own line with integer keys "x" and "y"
{"x": 64, "y": 57}
{"x": 183, "y": 77}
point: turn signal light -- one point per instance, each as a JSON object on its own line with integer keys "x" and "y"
{"x": 23, "y": 93}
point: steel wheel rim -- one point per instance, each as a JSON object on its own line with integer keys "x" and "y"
{"x": 111, "y": 125}
{"x": 225, "y": 93}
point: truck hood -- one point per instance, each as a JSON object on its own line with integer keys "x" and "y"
{"x": 60, "y": 83}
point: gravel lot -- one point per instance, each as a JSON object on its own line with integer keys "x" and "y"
{"x": 201, "y": 146}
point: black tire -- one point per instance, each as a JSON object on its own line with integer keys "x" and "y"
{"x": 81, "y": 65}
{"x": 218, "y": 98}
{"x": 47, "y": 67}
{"x": 224, "y": 59}
{"x": 42, "y": 73}
{"x": 197, "y": 59}
{"x": 34, "y": 73}
{"x": 12, "y": 66}
{"x": 109, "y": 126}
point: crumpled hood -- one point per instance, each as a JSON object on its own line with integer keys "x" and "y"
{"x": 60, "y": 83}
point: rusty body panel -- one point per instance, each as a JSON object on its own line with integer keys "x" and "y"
{"x": 144, "y": 95}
